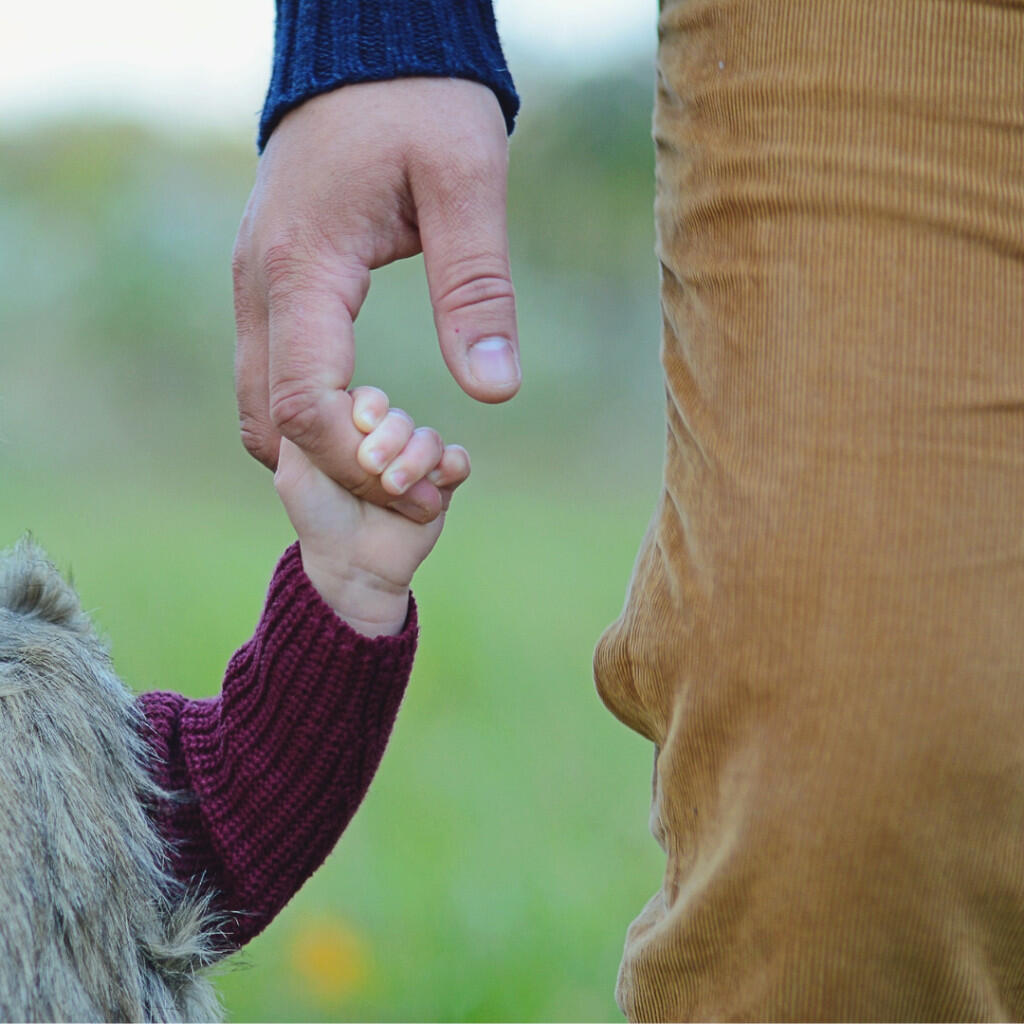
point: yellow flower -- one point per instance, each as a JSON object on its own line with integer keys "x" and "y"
{"x": 329, "y": 958}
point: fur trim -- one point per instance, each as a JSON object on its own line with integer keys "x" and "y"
{"x": 92, "y": 925}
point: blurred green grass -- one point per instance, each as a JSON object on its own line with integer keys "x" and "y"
{"x": 503, "y": 847}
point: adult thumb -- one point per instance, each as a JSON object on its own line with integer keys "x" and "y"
{"x": 465, "y": 249}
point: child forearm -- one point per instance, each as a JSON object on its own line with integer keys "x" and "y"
{"x": 306, "y": 710}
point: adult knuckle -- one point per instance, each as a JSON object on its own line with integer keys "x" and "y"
{"x": 240, "y": 263}
{"x": 247, "y": 314}
{"x": 474, "y": 281}
{"x": 283, "y": 266}
{"x": 256, "y": 440}
{"x": 291, "y": 263}
{"x": 484, "y": 167}
{"x": 241, "y": 251}
{"x": 295, "y": 411}
{"x": 479, "y": 159}
{"x": 294, "y": 272}
{"x": 246, "y": 303}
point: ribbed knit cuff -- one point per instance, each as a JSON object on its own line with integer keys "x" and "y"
{"x": 277, "y": 765}
{"x": 305, "y": 663}
{"x": 322, "y": 44}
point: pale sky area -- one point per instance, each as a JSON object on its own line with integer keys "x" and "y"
{"x": 207, "y": 61}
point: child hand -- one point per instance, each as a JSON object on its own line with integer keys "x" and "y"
{"x": 359, "y": 556}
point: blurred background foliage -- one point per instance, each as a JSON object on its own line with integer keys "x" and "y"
{"x": 503, "y": 847}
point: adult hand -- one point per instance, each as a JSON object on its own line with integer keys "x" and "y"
{"x": 349, "y": 181}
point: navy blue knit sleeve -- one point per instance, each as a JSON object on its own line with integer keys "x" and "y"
{"x": 321, "y": 44}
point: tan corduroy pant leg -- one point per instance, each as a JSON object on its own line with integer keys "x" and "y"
{"x": 824, "y": 636}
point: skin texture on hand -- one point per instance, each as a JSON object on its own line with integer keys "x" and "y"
{"x": 359, "y": 556}
{"x": 350, "y": 181}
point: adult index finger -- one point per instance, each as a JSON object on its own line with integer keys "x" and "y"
{"x": 311, "y": 358}
{"x": 259, "y": 435}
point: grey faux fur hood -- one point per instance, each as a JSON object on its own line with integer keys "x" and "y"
{"x": 91, "y": 925}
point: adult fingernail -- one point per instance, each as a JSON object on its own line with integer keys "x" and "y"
{"x": 493, "y": 361}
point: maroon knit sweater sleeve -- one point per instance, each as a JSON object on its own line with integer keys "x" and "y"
{"x": 266, "y": 776}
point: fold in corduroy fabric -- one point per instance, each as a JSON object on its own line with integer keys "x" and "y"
{"x": 824, "y": 636}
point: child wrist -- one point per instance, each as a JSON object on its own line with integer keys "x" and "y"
{"x": 370, "y": 604}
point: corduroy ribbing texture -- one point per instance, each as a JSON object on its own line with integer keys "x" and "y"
{"x": 268, "y": 774}
{"x": 824, "y": 635}
{"x": 322, "y": 44}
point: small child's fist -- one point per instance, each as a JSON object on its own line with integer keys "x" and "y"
{"x": 401, "y": 453}
{"x": 359, "y": 556}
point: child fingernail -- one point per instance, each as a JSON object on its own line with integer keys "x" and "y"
{"x": 368, "y": 421}
{"x": 435, "y": 477}
{"x": 376, "y": 459}
{"x": 397, "y": 481}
